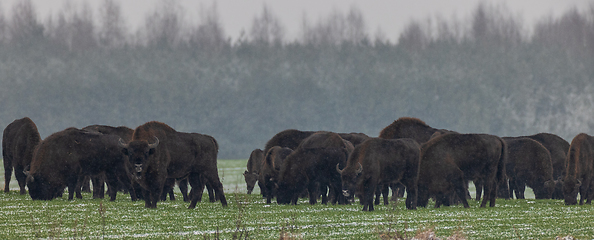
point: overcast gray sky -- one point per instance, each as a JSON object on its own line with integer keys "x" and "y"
{"x": 389, "y": 15}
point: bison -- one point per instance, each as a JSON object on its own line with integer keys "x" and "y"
{"x": 270, "y": 170}
{"x": 450, "y": 160}
{"x": 290, "y": 138}
{"x": 579, "y": 170}
{"x": 18, "y": 144}
{"x": 64, "y": 158}
{"x": 381, "y": 161}
{"x": 407, "y": 127}
{"x": 312, "y": 165}
{"x": 158, "y": 152}
{"x": 528, "y": 163}
{"x": 252, "y": 173}
{"x": 558, "y": 148}
{"x": 98, "y": 181}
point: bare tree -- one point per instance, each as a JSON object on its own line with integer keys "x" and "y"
{"x": 414, "y": 38}
{"x": 24, "y": 28}
{"x": 3, "y": 26}
{"x": 209, "y": 33}
{"x": 267, "y": 29}
{"x": 336, "y": 29}
{"x": 495, "y": 26}
{"x": 356, "y": 30}
{"x": 163, "y": 28}
{"x": 112, "y": 29}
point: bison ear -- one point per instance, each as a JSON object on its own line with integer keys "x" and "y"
{"x": 245, "y": 173}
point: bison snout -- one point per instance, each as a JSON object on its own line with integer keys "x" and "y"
{"x": 138, "y": 167}
{"x": 345, "y": 193}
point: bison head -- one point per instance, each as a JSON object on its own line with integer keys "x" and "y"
{"x": 138, "y": 153}
{"x": 570, "y": 191}
{"x": 39, "y": 188}
{"x": 250, "y": 179}
{"x": 349, "y": 179}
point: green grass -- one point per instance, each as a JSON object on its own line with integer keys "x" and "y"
{"x": 20, "y": 217}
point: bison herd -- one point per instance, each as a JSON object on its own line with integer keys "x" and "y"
{"x": 429, "y": 163}
{"x": 408, "y": 155}
{"x": 145, "y": 162}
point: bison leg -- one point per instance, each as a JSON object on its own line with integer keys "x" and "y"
{"x": 113, "y": 184}
{"x": 21, "y": 179}
{"x": 461, "y": 190}
{"x": 183, "y": 188}
{"x": 7, "y": 173}
{"x": 98, "y": 186}
{"x": 368, "y": 196}
{"x": 197, "y": 189}
{"x": 478, "y": 185}
{"x": 378, "y": 193}
{"x": 86, "y": 184}
{"x": 312, "y": 189}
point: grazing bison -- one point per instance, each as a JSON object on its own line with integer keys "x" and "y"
{"x": 64, "y": 158}
{"x": 18, "y": 144}
{"x": 158, "y": 152}
{"x": 381, "y": 161}
{"x": 407, "y": 127}
{"x": 558, "y": 148}
{"x": 270, "y": 170}
{"x": 312, "y": 165}
{"x": 254, "y": 166}
{"x": 528, "y": 163}
{"x": 450, "y": 160}
{"x": 98, "y": 181}
{"x": 579, "y": 170}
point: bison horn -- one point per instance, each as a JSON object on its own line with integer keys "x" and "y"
{"x": 26, "y": 173}
{"x": 122, "y": 144}
{"x": 155, "y": 144}
{"x": 338, "y": 168}
{"x": 360, "y": 170}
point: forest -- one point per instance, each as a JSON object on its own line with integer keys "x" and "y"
{"x": 485, "y": 74}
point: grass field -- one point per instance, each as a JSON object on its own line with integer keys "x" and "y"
{"x": 248, "y": 217}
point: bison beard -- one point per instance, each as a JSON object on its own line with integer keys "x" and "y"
{"x": 450, "y": 160}
{"x": 65, "y": 158}
{"x": 175, "y": 155}
{"x": 381, "y": 161}
{"x": 579, "y": 170}
{"x": 19, "y": 140}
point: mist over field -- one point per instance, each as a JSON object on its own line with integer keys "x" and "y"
{"x": 486, "y": 74}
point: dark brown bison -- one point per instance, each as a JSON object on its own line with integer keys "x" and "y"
{"x": 381, "y": 161}
{"x": 64, "y": 158}
{"x": 158, "y": 152}
{"x": 98, "y": 181}
{"x": 18, "y": 143}
{"x": 312, "y": 165}
{"x": 558, "y": 148}
{"x": 528, "y": 163}
{"x": 579, "y": 170}
{"x": 450, "y": 160}
{"x": 290, "y": 138}
{"x": 407, "y": 127}
{"x": 252, "y": 173}
{"x": 270, "y": 170}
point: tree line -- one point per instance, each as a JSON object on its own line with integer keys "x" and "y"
{"x": 487, "y": 73}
